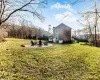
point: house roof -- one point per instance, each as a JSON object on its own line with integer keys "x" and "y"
{"x": 62, "y": 24}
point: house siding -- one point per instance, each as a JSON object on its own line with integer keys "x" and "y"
{"x": 62, "y": 32}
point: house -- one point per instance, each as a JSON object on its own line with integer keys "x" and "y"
{"x": 61, "y": 33}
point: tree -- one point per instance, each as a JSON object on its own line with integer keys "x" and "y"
{"x": 86, "y": 23}
{"x": 25, "y": 30}
{"x": 10, "y": 7}
{"x": 96, "y": 15}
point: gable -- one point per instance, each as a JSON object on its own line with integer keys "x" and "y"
{"x": 63, "y": 26}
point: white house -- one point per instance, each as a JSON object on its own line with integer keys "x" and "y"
{"x": 61, "y": 33}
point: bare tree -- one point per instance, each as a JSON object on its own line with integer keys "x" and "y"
{"x": 96, "y": 16}
{"x": 86, "y": 23}
{"x": 10, "y": 7}
{"x": 25, "y": 31}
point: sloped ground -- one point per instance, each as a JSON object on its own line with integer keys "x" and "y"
{"x": 59, "y": 62}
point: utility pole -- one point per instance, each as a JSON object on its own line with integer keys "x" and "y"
{"x": 96, "y": 20}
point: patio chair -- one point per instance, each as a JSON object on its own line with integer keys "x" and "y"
{"x": 32, "y": 43}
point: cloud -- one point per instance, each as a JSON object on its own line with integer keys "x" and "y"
{"x": 61, "y": 6}
{"x": 65, "y": 17}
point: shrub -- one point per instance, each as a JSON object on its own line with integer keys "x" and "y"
{"x": 45, "y": 38}
{"x": 80, "y": 40}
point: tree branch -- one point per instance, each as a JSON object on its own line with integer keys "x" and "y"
{"x": 36, "y": 14}
{"x": 16, "y": 11}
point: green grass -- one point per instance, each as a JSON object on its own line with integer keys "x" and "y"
{"x": 59, "y": 62}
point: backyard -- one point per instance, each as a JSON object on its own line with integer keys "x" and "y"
{"x": 59, "y": 62}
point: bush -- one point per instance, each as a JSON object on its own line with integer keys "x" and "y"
{"x": 45, "y": 38}
{"x": 80, "y": 40}
{"x": 68, "y": 42}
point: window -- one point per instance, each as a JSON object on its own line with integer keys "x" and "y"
{"x": 56, "y": 31}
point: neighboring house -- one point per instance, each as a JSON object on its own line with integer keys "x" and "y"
{"x": 61, "y": 33}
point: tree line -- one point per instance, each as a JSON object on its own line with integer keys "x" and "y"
{"x": 23, "y": 31}
{"x": 12, "y": 8}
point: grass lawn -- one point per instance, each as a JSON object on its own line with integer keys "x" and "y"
{"x": 59, "y": 62}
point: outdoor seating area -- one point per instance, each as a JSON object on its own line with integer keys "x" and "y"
{"x": 38, "y": 44}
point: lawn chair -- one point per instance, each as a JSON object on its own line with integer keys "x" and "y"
{"x": 40, "y": 43}
{"x": 46, "y": 43}
{"x": 32, "y": 43}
